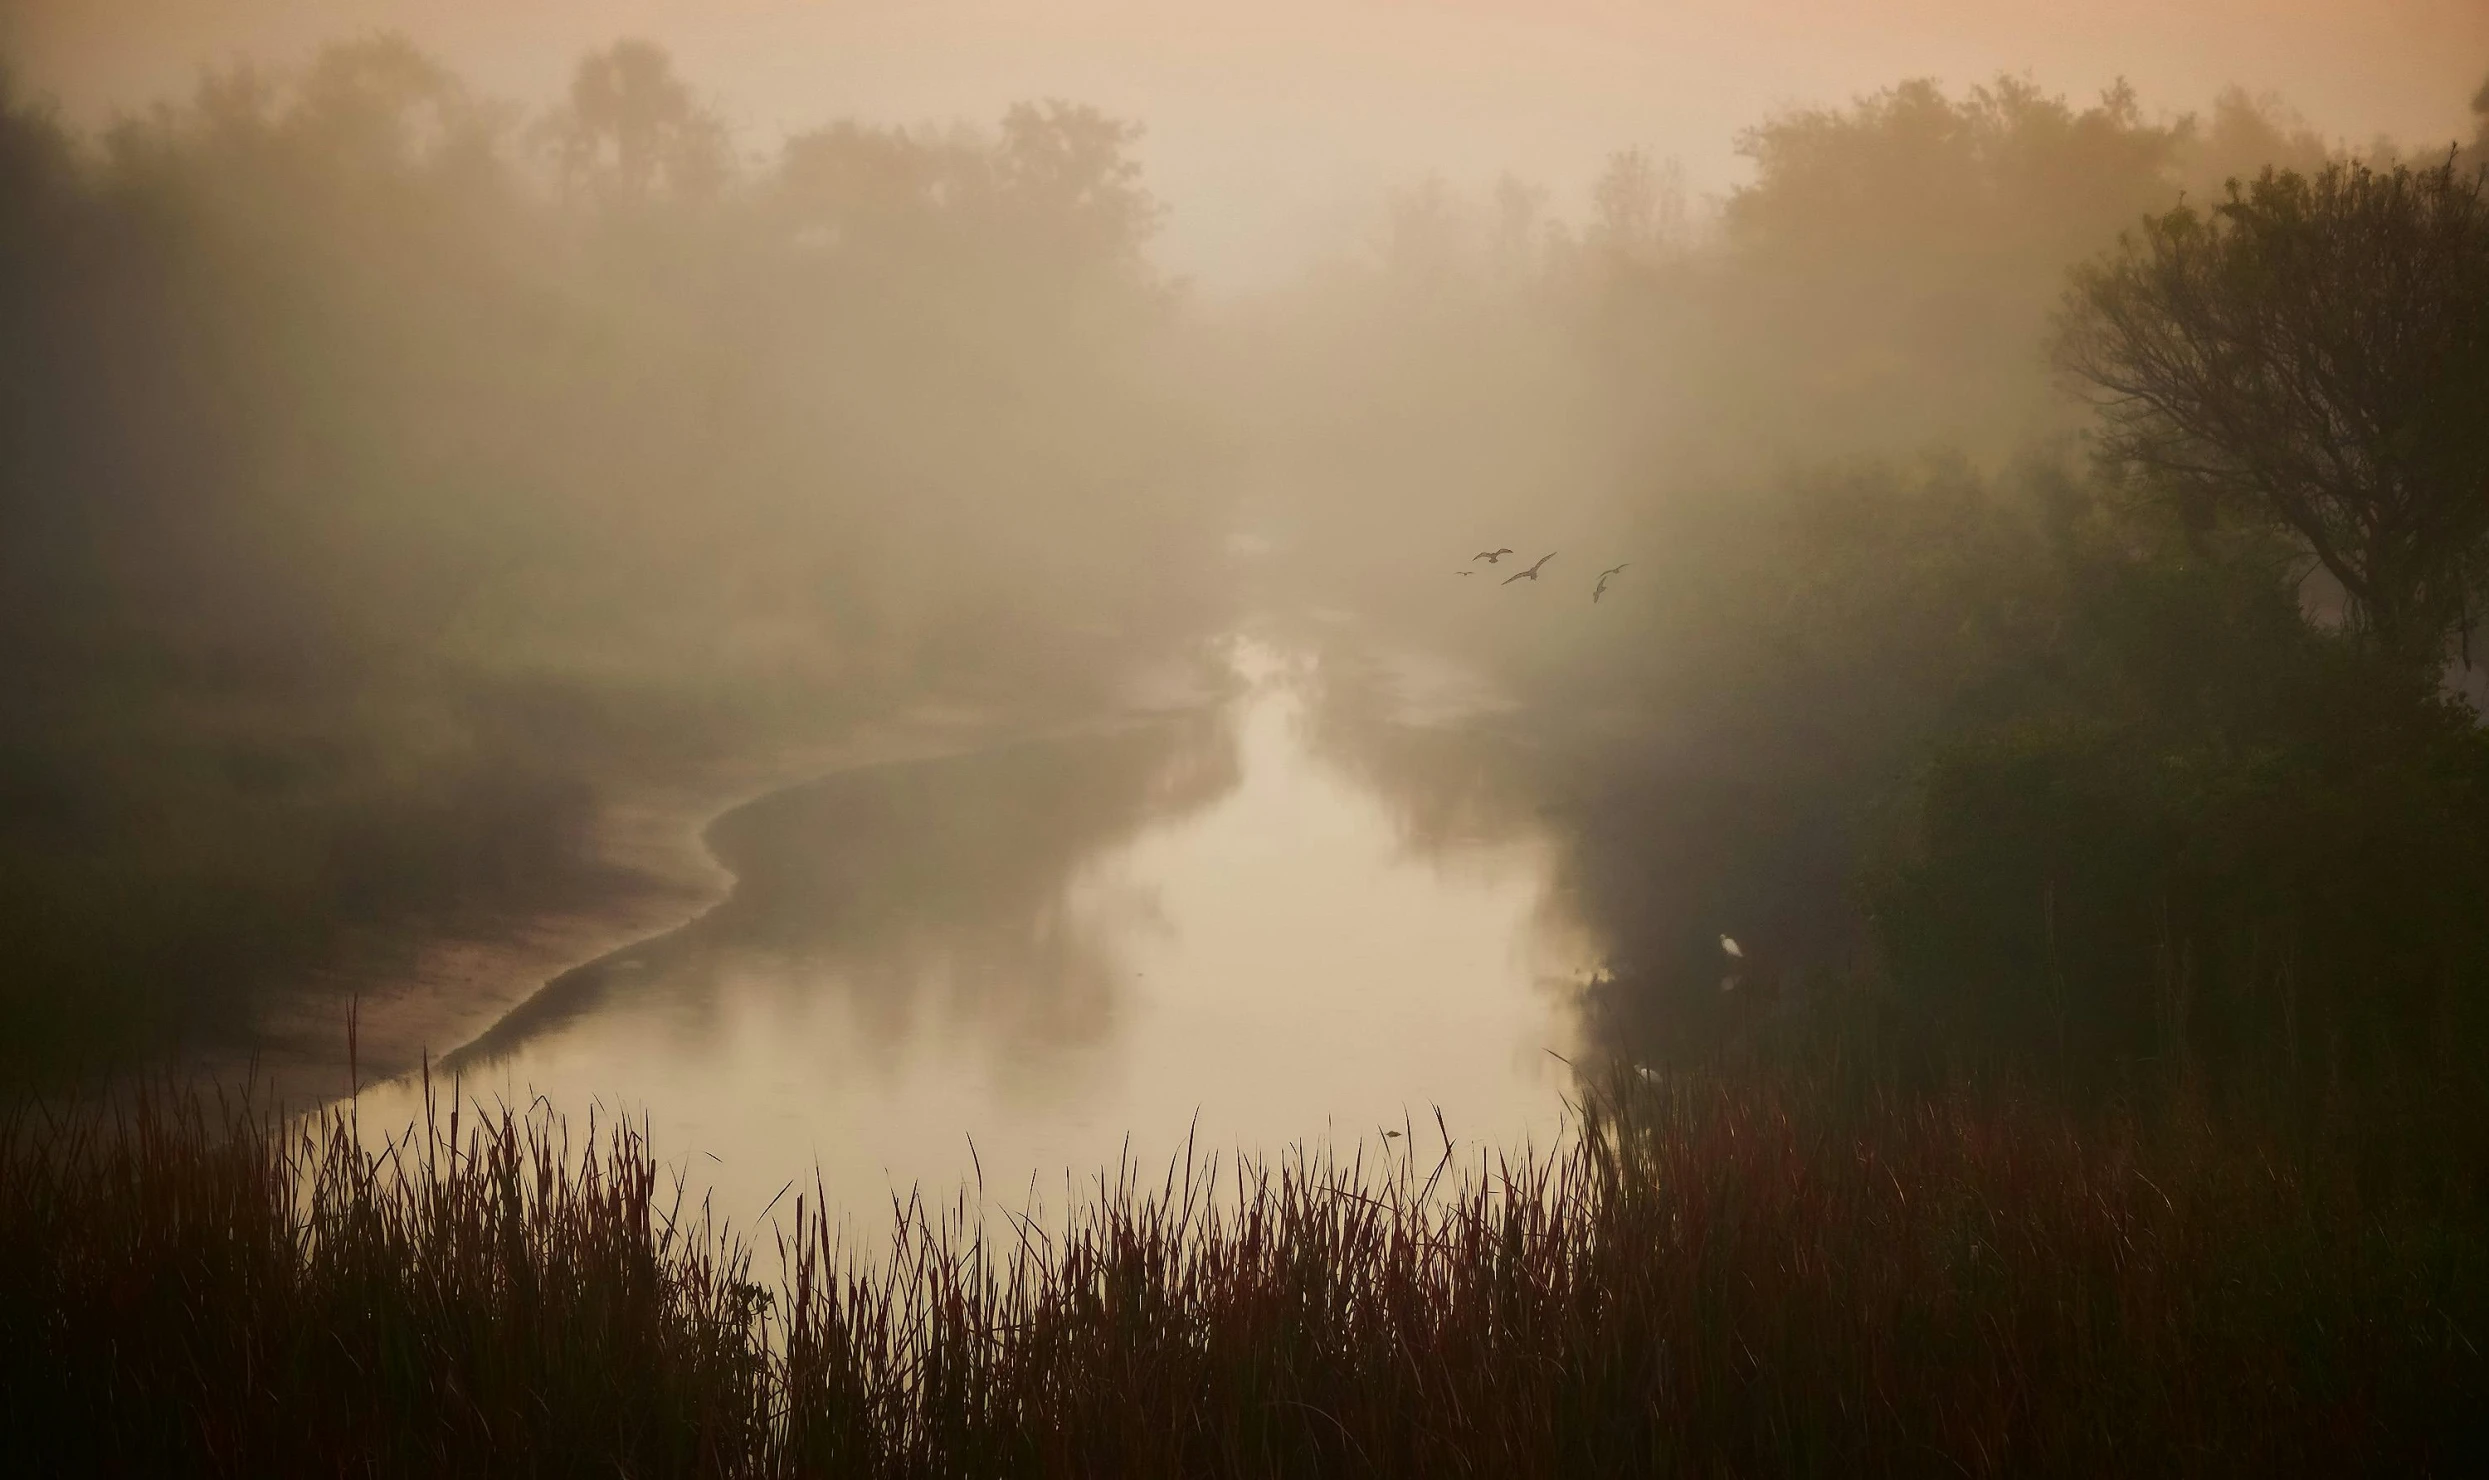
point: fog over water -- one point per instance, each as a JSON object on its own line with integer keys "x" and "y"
{"x": 1067, "y": 950}
{"x": 865, "y": 577}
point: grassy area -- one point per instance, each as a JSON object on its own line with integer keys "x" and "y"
{"x": 1711, "y": 1280}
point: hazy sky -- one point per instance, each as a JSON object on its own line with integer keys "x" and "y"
{"x": 1275, "y": 123}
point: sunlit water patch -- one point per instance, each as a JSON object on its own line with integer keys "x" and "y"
{"x": 1031, "y": 961}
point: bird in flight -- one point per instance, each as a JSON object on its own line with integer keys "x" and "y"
{"x": 1532, "y": 573}
{"x": 1490, "y": 556}
{"x": 1601, "y": 589}
{"x": 1464, "y": 572}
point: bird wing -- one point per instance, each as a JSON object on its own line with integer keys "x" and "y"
{"x": 1520, "y": 575}
{"x": 1542, "y": 560}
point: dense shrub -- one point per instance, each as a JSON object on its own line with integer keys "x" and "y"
{"x": 2195, "y": 825}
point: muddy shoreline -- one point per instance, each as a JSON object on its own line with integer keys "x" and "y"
{"x": 419, "y": 996}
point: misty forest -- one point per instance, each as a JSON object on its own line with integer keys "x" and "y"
{"x": 680, "y": 806}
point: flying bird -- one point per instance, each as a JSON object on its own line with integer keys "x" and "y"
{"x": 1532, "y": 573}
{"x": 1490, "y": 556}
{"x": 1464, "y": 572}
{"x": 1601, "y": 589}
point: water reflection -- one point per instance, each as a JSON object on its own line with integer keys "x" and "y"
{"x": 1052, "y": 946}
{"x": 922, "y": 890}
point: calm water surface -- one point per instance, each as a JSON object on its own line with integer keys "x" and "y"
{"x": 1285, "y": 922}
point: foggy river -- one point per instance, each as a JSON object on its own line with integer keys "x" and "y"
{"x": 1264, "y": 916}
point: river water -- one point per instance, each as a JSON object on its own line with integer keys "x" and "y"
{"x": 1283, "y": 918}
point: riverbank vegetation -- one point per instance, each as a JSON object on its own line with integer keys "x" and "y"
{"x": 1752, "y": 1275}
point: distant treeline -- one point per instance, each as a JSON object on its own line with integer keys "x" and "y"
{"x": 387, "y": 467}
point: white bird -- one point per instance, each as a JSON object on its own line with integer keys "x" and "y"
{"x": 1735, "y": 952}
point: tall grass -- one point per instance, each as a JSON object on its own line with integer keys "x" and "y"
{"x": 1708, "y": 1279}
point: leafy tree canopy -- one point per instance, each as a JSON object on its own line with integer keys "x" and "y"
{"x": 2314, "y": 354}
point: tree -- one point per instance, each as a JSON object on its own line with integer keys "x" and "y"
{"x": 380, "y": 104}
{"x": 1070, "y": 181}
{"x": 1885, "y": 273}
{"x": 631, "y": 125}
{"x": 2314, "y": 354}
{"x": 1638, "y": 205}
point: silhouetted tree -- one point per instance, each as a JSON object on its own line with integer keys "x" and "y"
{"x": 1067, "y": 172}
{"x": 631, "y": 128}
{"x": 1893, "y": 260}
{"x": 2246, "y": 135}
{"x": 1637, "y": 205}
{"x": 2314, "y": 353}
{"x": 857, "y": 188}
{"x": 381, "y": 104}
